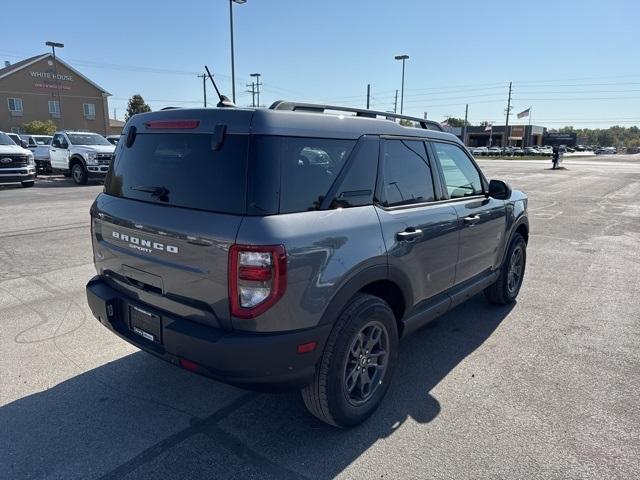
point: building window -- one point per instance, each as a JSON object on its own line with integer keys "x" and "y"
{"x": 15, "y": 106}
{"x": 89, "y": 111}
{"x": 54, "y": 108}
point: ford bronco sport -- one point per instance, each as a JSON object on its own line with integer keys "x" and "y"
{"x": 292, "y": 248}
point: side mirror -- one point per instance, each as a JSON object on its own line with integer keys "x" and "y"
{"x": 23, "y": 144}
{"x": 499, "y": 190}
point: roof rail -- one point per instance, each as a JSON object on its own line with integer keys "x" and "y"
{"x": 360, "y": 112}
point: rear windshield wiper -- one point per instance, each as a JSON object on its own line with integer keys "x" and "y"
{"x": 156, "y": 191}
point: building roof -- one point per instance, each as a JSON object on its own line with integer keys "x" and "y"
{"x": 13, "y": 68}
{"x": 116, "y": 123}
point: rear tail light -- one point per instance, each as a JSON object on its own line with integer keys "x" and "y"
{"x": 257, "y": 278}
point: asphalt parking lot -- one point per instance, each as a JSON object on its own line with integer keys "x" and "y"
{"x": 547, "y": 388}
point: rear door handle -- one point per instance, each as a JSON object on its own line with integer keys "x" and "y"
{"x": 409, "y": 234}
{"x": 471, "y": 220}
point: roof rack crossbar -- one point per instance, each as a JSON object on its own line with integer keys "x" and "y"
{"x": 360, "y": 112}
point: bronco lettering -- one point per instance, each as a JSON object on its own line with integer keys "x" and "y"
{"x": 135, "y": 242}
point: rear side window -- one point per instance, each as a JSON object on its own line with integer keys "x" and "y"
{"x": 306, "y": 167}
{"x": 183, "y": 170}
{"x": 461, "y": 176}
{"x": 407, "y": 177}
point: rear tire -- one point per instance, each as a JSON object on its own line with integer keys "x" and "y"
{"x": 357, "y": 365}
{"x": 507, "y": 286}
{"x": 79, "y": 174}
{"x": 28, "y": 184}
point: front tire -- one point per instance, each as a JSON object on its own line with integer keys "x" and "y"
{"x": 79, "y": 174}
{"x": 507, "y": 286}
{"x": 357, "y": 365}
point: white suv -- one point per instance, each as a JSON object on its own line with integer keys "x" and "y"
{"x": 81, "y": 155}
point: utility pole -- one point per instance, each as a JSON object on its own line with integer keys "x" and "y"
{"x": 204, "y": 87}
{"x": 253, "y": 93}
{"x": 368, "y": 94}
{"x": 395, "y": 103}
{"x": 53, "y": 46}
{"x": 464, "y": 126}
{"x": 505, "y": 138}
{"x": 257, "y": 87}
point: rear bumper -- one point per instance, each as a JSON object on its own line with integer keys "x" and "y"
{"x": 17, "y": 175}
{"x": 257, "y": 361}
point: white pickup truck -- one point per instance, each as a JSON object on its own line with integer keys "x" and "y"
{"x": 81, "y": 155}
{"x": 16, "y": 163}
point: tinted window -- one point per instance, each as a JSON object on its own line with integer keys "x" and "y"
{"x": 359, "y": 181}
{"x": 307, "y": 168}
{"x": 461, "y": 176}
{"x": 407, "y": 175}
{"x": 182, "y": 170}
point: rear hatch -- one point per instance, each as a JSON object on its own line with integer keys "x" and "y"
{"x": 171, "y": 208}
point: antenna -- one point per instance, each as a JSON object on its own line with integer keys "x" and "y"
{"x": 224, "y": 101}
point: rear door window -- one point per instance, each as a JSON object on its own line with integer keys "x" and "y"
{"x": 407, "y": 177}
{"x": 183, "y": 170}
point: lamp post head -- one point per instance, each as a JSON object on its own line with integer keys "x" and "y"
{"x": 254, "y": 74}
{"x": 54, "y": 44}
{"x": 401, "y": 57}
{"x": 240, "y": 2}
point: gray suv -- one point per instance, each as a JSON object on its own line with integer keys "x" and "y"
{"x": 292, "y": 248}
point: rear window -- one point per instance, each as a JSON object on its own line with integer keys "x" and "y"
{"x": 293, "y": 174}
{"x": 183, "y": 170}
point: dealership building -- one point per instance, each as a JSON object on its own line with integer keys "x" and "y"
{"x": 39, "y": 89}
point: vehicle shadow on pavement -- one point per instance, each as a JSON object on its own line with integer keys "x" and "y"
{"x": 60, "y": 181}
{"x": 152, "y": 423}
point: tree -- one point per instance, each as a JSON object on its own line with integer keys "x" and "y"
{"x": 484, "y": 123}
{"x": 37, "y": 127}
{"x": 407, "y": 123}
{"x": 136, "y": 105}
{"x": 455, "y": 122}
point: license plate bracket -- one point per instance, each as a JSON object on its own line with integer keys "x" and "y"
{"x": 145, "y": 324}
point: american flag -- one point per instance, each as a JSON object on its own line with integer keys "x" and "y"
{"x": 524, "y": 113}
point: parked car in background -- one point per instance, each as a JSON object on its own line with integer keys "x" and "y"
{"x": 546, "y": 150}
{"x": 17, "y": 140}
{"x": 34, "y": 140}
{"x": 81, "y": 155}
{"x": 494, "y": 151}
{"x": 606, "y": 151}
{"x": 39, "y": 146}
{"x": 16, "y": 163}
{"x": 113, "y": 139}
{"x": 479, "y": 151}
{"x": 531, "y": 151}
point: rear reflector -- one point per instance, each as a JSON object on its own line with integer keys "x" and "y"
{"x": 189, "y": 365}
{"x": 307, "y": 347}
{"x": 173, "y": 124}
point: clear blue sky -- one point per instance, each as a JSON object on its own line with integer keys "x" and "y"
{"x": 575, "y": 62}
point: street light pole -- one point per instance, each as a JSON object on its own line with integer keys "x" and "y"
{"x": 233, "y": 68}
{"x": 53, "y": 46}
{"x": 257, "y": 77}
{"x": 403, "y": 58}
